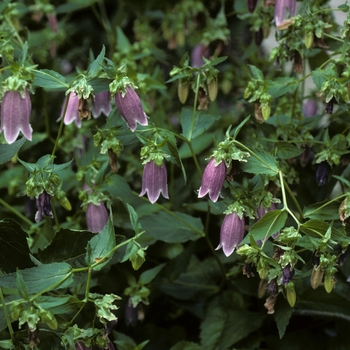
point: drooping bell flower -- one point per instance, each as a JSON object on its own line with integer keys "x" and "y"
{"x": 72, "y": 111}
{"x": 281, "y": 7}
{"x": 130, "y": 108}
{"x": 287, "y": 274}
{"x": 44, "y": 207}
{"x": 101, "y": 104}
{"x": 310, "y": 108}
{"x": 322, "y": 173}
{"x": 154, "y": 181}
{"x": 212, "y": 180}
{"x": 96, "y": 217}
{"x": 231, "y": 234}
{"x": 15, "y": 114}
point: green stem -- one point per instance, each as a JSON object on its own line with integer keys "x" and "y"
{"x": 333, "y": 37}
{"x": 7, "y": 317}
{"x": 16, "y": 212}
{"x": 328, "y": 203}
{"x": 296, "y": 203}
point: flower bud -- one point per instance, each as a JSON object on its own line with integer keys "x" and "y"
{"x": 258, "y": 113}
{"x": 213, "y": 89}
{"x": 182, "y": 92}
{"x": 291, "y": 295}
{"x": 309, "y": 39}
{"x": 262, "y": 288}
{"x": 251, "y": 5}
{"x": 316, "y": 276}
{"x": 328, "y": 283}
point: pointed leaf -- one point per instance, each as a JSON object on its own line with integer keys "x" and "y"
{"x": 282, "y": 315}
{"x": 95, "y": 66}
{"x": 134, "y": 219}
{"x": 269, "y": 224}
{"x": 9, "y": 151}
{"x": 50, "y": 80}
{"x": 261, "y": 162}
{"x": 148, "y": 276}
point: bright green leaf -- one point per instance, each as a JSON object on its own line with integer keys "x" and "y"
{"x": 261, "y": 162}
{"x": 50, "y": 80}
{"x": 9, "y": 151}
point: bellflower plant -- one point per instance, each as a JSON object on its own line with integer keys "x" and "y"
{"x": 96, "y": 217}
{"x": 15, "y": 114}
{"x": 71, "y": 113}
{"x": 101, "y": 104}
{"x": 281, "y": 7}
{"x": 44, "y": 207}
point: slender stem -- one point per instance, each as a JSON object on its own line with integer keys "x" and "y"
{"x": 296, "y": 203}
{"x": 321, "y": 314}
{"x": 16, "y": 212}
{"x": 195, "y": 160}
{"x": 333, "y": 37}
{"x": 7, "y": 316}
{"x": 328, "y": 203}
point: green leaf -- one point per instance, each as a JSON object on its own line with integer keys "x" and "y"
{"x": 199, "y": 144}
{"x": 148, "y": 276}
{"x": 193, "y": 127}
{"x": 59, "y": 250}
{"x": 257, "y": 73}
{"x": 7, "y": 344}
{"x": 172, "y": 228}
{"x": 14, "y": 250}
{"x": 321, "y": 211}
{"x": 280, "y": 86}
{"x": 268, "y": 225}
{"x": 320, "y": 76}
{"x": 96, "y": 65}
{"x": 21, "y": 287}
{"x": 315, "y": 228}
{"x": 117, "y": 187}
{"x": 239, "y": 127}
{"x": 343, "y": 180}
{"x": 50, "y": 80}
{"x": 100, "y": 246}
{"x": 286, "y": 150}
{"x": 186, "y": 345}
{"x": 282, "y": 315}
{"x": 261, "y": 162}
{"x": 123, "y": 43}
{"x": 225, "y": 324}
{"x": 40, "y": 278}
{"x": 134, "y": 219}
{"x": 9, "y": 151}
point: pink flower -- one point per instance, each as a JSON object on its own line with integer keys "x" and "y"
{"x": 212, "y": 180}
{"x": 231, "y": 234}
{"x": 96, "y": 217}
{"x": 130, "y": 108}
{"x": 101, "y": 104}
{"x": 281, "y": 10}
{"x": 154, "y": 181}
{"x": 72, "y": 112}
{"x": 15, "y": 114}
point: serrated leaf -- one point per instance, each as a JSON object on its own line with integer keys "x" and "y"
{"x": 315, "y": 228}
{"x": 193, "y": 126}
{"x": 14, "y": 250}
{"x": 261, "y": 162}
{"x": 9, "y": 151}
{"x": 100, "y": 246}
{"x": 59, "y": 250}
{"x": 45, "y": 277}
{"x": 321, "y": 211}
{"x": 50, "y": 80}
{"x": 269, "y": 224}
{"x": 286, "y": 150}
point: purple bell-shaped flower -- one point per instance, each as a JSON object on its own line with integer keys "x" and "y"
{"x": 130, "y": 108}
{"x": 101, "y": 104}
{"x": 154, "y": 181}
{"x": 44, "y": 207}
{"x": 72, "y": 112}
{"x": 212, "y": 180}
{"x": 15, "y": 113}
{"x": 96, "y": 217}
{"x": 281, "y": 7}
{"x": 231, "y": 234}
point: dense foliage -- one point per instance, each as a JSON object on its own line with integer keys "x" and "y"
{"x": 170, "y": 181}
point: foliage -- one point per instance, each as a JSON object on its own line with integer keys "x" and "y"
{"x": 117, "y": 87}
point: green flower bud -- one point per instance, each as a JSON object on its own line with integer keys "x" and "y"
{"x": 309, "y": 39}
{"x": 328, "y": 283}
{"x": 182, "y": 92}
{"x": 316, "y": 277}
{"x": 291, "y": 295}
{"x": 213, "y": 89}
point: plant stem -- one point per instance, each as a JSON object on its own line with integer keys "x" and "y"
{"x": 16, "y": 212}
{"x": 7, "y": 317}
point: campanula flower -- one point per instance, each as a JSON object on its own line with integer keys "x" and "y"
{"x": 287, "y": 274}
{"x": 72, "y": 112}
{"x": 96, "y": 217}
{"x": 310, "y": 108}
{"x": 154, "y": 181}
{"x": 101, "y": 104}
{"x": 130, "y": 108}
{"x": 212, "y": 180}
{"x": 15, "y": 113}
{"x": 44, "y": 207}
{"x": 281, "y": 7}
{"x": 231, "y": 234}
{"x": 322, "y": 173}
